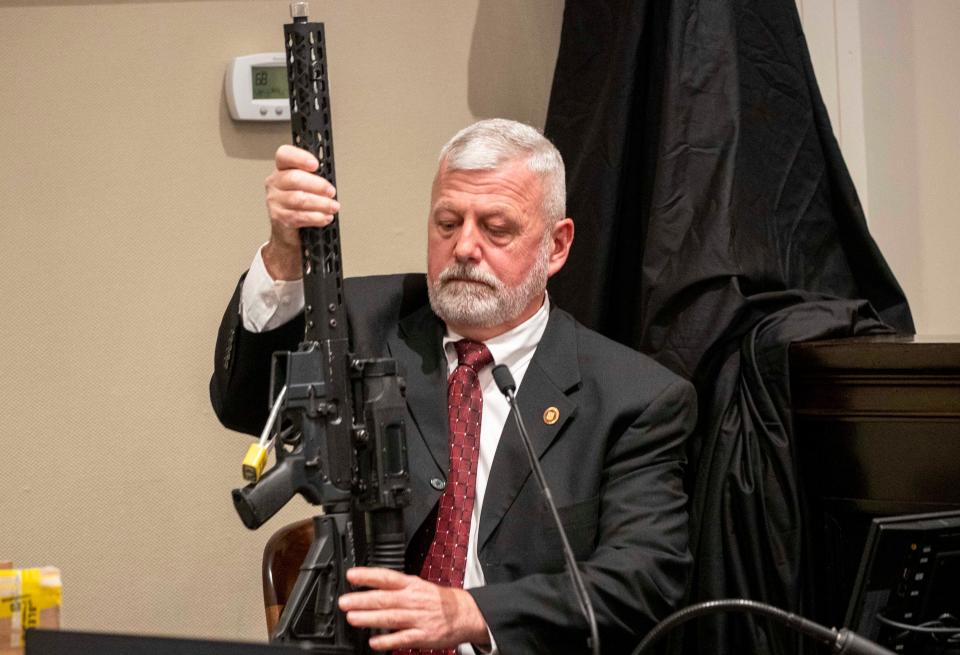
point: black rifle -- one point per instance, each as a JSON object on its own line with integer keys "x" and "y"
{"x": 339, "y": 424}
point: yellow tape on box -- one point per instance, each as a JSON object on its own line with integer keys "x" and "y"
{"x": 29, "y": 598}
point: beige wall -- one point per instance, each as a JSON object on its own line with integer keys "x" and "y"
{"x": 130, "y": 202}
{"x": 911, "y": 94}
{"x": 887, "y": 72}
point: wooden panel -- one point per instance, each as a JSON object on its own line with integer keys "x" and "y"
{"x": 853, "y": 396}
{"x": 870, "y": 462}
{"x": 877, "y": 427}
{"x": 865, "y": 355}
{"x": 878, "y": 419}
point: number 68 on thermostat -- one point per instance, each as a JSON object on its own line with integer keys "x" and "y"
{"x": 256, "y": 87}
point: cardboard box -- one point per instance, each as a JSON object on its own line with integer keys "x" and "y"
{"x": 29, "y": 598}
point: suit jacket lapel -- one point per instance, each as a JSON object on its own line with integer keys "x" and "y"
{"x": 552, "y": 375}
{"x": 417, "y": 347}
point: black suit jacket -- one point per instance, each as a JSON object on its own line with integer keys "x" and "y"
{"x": 614, "y": 461}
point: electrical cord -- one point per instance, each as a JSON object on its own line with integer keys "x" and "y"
{"x": 843, "y": 641}
{"x": 935, "y": 629}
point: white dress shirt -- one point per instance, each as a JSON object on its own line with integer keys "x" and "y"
{"x": 266, "y": 304}
{"x": 515, "y": 349}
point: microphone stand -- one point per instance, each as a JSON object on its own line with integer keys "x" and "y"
{"x": 507, "y": 386}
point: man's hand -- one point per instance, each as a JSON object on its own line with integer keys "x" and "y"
{"x": 296, "y": 198}
{"x": 418, "y": 614}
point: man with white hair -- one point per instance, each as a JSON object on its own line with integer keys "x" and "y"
{"x": 484, "y": 561}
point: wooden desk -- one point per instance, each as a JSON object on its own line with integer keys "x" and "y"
{"x": 877, "y": 424}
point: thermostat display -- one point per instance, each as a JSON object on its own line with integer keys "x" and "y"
{"x": 269, "y": 82}
{"x": 256, "y": 87}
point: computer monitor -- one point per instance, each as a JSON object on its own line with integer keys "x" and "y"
{"x": 909, "y": 577}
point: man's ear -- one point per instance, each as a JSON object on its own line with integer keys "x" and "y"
{"x": 561, "y": 238}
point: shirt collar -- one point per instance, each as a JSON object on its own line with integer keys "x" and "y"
{"x": 512, "y": 346}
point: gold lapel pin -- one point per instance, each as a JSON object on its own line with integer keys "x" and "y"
{"x": 551, "y": 415}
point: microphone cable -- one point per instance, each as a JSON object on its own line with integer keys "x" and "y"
{"x": 843, "y": 641}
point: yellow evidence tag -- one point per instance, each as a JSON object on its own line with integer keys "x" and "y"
{"x": 253, "y": 462}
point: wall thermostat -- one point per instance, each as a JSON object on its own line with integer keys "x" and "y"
{"x": 256, "y": 87}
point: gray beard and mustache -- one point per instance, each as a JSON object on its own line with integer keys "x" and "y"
{"x": 484, "y": 305}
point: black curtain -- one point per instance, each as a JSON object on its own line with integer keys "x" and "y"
{"x": 716, "y": 223}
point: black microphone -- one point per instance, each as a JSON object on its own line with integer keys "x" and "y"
{"x": 504, "y": 380}
{"x": 505, "y": 383}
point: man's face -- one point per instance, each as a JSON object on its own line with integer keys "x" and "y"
{"x": 488, "y": 250}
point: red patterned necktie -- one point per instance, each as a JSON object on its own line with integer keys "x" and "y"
{"x": 446, "y": 560}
